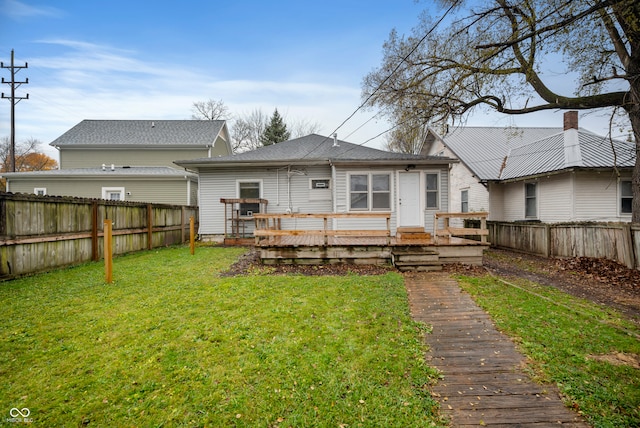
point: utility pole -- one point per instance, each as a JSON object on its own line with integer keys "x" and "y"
{"x": 13, "y": 99}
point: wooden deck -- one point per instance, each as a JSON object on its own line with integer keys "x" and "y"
{"x": 405, "y": 254}
{"x": 409, "y": 249}
{"x": 333, "y": 241}
{"x": 483, "y": 382}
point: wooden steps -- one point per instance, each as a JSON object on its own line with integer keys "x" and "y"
{"x": 412, "y": 234}
{"x": 415, "y": 258}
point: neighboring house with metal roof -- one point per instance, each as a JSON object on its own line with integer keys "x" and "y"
{"x": 317, "y": 174}
{"x": 128, "y": 160}
{"x": 538, "y": 174}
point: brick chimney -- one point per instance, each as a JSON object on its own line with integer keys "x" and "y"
{"x": 572, "y": 155}
{"x": 571, "y": 120}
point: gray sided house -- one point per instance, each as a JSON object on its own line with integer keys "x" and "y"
{"x": 316, "y": 174}
{"x": 128, "y": 160}
{"x": 549, "y": 175}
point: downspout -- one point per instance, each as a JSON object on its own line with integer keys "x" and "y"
{"x": 289, "y": 204}
{"x": 188, "y": 190}
{"x": 334, "y": 194}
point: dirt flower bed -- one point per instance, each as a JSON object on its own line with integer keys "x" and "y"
{"x": 250, "y": 264}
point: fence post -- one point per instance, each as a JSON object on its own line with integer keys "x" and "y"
{"x": 149, "y": 226}
{"x": 548, "y": 241}
{"x": 94, "y": 231}
{"x": 3, "y": 216}
{"x": 192, "y": 235}
{"x": 108, "y": 252}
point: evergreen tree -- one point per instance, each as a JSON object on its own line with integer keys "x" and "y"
{"x": 276, "y": 131}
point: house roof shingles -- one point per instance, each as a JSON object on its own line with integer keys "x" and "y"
{"x": 309, "y": 149}
{"x": 99, "y": 133}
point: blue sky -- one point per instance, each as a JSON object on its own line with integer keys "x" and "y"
{"x": 151, "y": 60}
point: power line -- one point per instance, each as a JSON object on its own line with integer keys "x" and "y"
{"x": 13, "y": 99}
{"x": 404, "y": 59}
{"x": 415, "y": 47}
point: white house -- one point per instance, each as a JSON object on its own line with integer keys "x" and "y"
{"x": 538, "y": 174}
{"x": 317, "y": 174}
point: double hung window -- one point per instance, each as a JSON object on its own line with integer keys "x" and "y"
{"x": 626, "y": 197}
{"x": 249, "y": 190}
{"x": 433, "y": 190}
{"x": 370, "y": 192}
{"x": 464, "y": 201}
{"x": 530, "y": 200}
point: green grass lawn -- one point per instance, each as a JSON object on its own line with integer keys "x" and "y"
{"x": 567, "y": 339}
{"x": 171, "y": 343}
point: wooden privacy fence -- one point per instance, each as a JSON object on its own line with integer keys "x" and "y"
{"x": 614, "y": 241}
{"x": 44, "y": 232}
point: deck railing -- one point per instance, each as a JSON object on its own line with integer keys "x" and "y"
{"x": 449, "y": 231}
{"x": 270, "y": 226}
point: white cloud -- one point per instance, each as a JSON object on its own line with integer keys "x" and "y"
{"x": 89, "y": 81}
{"x": 18, "y": 10}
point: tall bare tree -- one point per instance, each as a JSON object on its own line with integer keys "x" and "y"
{"x": 247, "y": 130}
{"x": 494, "y": 54}
{"x": 302, "y": 127}
{"x": 210, "y": 110}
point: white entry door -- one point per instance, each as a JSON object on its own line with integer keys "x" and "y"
{"x": 410, "y": 200}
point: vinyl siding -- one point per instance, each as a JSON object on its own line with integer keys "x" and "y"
{"x": 572, "y": 196}
{"x": 513, "y": 194}
{"x": 556, "y": 198}
{"x": 222, "y": 183}
{"x": 444, "y": 201}
{"x": 152, "y": 156}
{"x": 597, "y": 197}
{"x": 463, "y": 179}
{"x": 220, "y": 148}
{"x": 172, "y": 192}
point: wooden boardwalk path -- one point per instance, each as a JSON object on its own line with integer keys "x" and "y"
{"x": 483, "y": 384}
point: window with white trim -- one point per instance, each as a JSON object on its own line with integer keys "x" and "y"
{"x": 626, "y": 197}
{"x": 40, "y": 191}
{"x": 464, "y": 201}
{"x": 249, "y": 190}
{"x": 433, "y": 190}
{"x": 531, "y": 200}
{"x": 113, "y": 193}
{"x": 370, "y": 192}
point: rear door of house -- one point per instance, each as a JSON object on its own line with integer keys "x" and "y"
{"x": 410, "y": 200}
